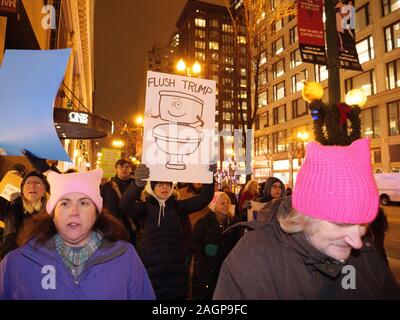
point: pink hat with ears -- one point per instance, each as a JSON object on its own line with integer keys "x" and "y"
{"x": 87, "y": 183}
{"x": 336, "y": 184}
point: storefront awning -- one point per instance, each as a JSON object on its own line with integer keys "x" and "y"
{"x": 72, "y": 124}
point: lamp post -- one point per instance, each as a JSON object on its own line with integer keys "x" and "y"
{"x": 182, "y": 67}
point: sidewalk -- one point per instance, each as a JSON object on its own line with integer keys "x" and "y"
{"x": 395, "y": 267}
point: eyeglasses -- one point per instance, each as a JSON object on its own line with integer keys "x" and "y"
{"x": 34, "y": 183}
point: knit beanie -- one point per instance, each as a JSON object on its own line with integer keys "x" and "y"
{"x": 87, "y": 183}
{"x": 336, "y": 184}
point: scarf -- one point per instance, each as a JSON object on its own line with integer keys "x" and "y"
{"x": 161, "y": 202}
{"x": 75, "y": 258}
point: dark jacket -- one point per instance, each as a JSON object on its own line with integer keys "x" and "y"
{"x": 111, "y": 202}
{"x": 163, "y": 247}
{"x": 268, "y": 263}
{"x": 14, "y": 216}
{"x": 208, "y": 231}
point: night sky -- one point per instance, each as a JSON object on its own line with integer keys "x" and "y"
{"x": 124, "y": 31}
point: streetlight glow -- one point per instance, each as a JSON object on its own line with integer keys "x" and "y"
{"x": 118, "y": 143}
{"x": 196, "y": 67}
{"x": 139, "y": 120}
{"x": 181, "y": 66}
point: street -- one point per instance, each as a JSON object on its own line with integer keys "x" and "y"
{"x": 392, "y": 240}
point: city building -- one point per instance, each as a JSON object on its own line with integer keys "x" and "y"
{"x": 205, "y": 34}
{"x": 56, "y": 24}
{"x": 284, "y": 126}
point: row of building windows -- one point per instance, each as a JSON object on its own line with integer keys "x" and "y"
{"x": 370, "y": 123}
{"x": 214, "y": 23}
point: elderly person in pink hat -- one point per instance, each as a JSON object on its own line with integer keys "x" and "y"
{"x": 314, "y": 246}
{"x": 76, "y": 251}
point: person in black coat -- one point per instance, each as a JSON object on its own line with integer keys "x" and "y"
{"x": 163, "y": 218}
{"x": 211, "y": 245}
{"x": 112, "y": 191}
{"x": 34, "y": 193}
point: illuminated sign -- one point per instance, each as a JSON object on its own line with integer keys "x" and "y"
{"x": 78, "y": 117}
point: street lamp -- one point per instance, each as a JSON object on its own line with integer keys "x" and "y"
{"x": 118, "y": 143}
{"x": 195, "y": 69}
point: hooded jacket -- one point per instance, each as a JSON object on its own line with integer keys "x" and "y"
{"x": 268, "y": 263}
{"x": 163, "y": 248}
{"x": 266, "y": 197}
{"x": 113, "y": 272}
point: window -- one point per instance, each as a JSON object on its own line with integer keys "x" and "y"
{"x": 229, "y": 70}
{"x": 394, "y": 117}
{"x": 227, "y": 38}
{"x": 200, "y": 22}
{"x": 297, "y": 80}
{"x": 200, "y": 33}
{"x": 279, "y": 91}
{"x": 362, "y": 17}
{"x": 214, "y": 23}
{"x": 370, "y": 123}
{"x": 262, "y": 79}
{"x": 263, "y": 58}
{"x": 214, "y": 35}
{"x": 320, "y": 73}
{"x": 200, "y": 55}
{"x": 214, "y": 56}
{"x": 227, "y": 27}
{"x": 200, "y": 44}
{"x": 243, "y": 83}
{"x": 365, "y": 49}
{"x": 227, "y": 82}
{"x": 365, "y": 81}
{"x": 243, "y": 72}
{"x": 376, "y": 155}
{"x": 214, "y": 68}
{"x": 227, "y": 49}
{"x": 264, "y": 120}
{"x": 393, "y": 74}
{"x": 262, "y": 99}
{"x": 299, "y": 108}
{"x": 388, "y": 6}
{"x": 213, "y": 45}
{"x": 228, "y": 60}
{"x": 279, "y": 114}
{"x": 278, "y": 68}
{"x": 295, "y": 58}
{"x": 243, "y": 50}
{"x": 293, "y": 35}
{"x": 277, "y": 25}
{"x": 392, "y": 36}
{"x": 277, "y": 46}
{"x": 241, "y": 39}
{"x": 279, "y": 141}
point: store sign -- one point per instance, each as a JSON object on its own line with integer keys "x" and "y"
{"x": 78, "y": 117}
{"x": 8, "y": 7}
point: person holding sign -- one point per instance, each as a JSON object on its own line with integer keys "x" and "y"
{"x": 162, "y": 217}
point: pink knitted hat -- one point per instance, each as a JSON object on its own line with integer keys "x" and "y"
{"x": 87, "y": 183}
{"x": 336, "y": 184}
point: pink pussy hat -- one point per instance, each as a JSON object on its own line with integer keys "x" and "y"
{"x": 87, "y": 183}
{"x": 336, "y": 184}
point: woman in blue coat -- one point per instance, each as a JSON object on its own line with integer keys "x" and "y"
{"x": 77, "y": 251}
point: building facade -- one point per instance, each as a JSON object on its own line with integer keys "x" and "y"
{"x": 56, "y": 24}
{"x": 205, "y": 34}
{"x": 284, "y": 125}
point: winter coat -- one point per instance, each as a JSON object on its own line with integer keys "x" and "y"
{"x": 14, "y": 216}
{"x": 187, "y": 193}
{"x": 208, "y": 234}
{"x": 268, "y": 263}
{"x": 163, "y": 246}
{"x": 111, "y": 202}
{"x": 37, "y": 272}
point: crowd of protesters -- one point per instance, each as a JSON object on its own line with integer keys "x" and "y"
{"x": 69, "y": 236}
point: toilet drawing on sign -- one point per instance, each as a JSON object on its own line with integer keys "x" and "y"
{"x": 182, "y": 132}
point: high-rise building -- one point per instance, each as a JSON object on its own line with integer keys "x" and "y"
{"x": 284, "y": 125}
{"x": 206, "y": 35}
{"x": 160, "y": 59}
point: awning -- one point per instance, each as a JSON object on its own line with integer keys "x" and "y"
{"x": 72, "y": 124}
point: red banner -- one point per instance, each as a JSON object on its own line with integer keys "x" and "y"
{"x": 8, "y": 7}
{"x": 311, "y": 31}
